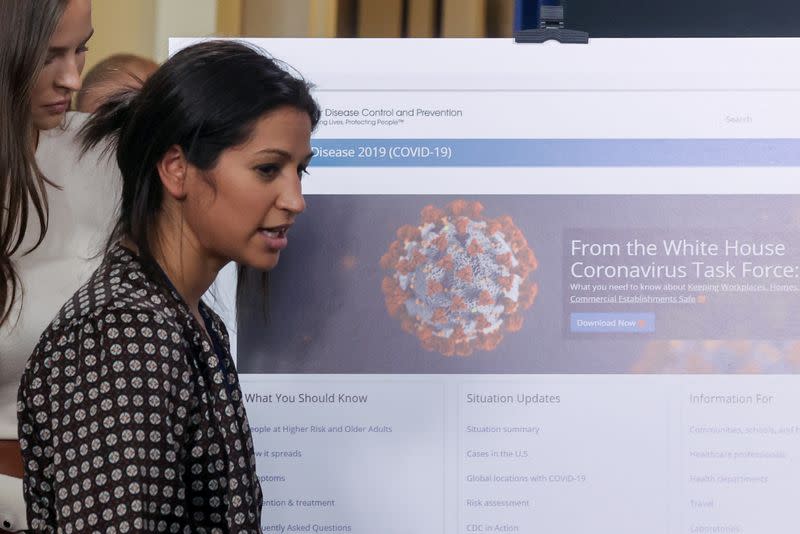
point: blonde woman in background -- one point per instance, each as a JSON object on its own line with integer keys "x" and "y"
{"x": 55, "y": 213}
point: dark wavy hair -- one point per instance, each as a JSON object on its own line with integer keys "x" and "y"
{"x": 205, "y": 99}
{"x": 25, "y": 32}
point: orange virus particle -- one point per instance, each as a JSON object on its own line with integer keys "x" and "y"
{"x": 459, "y": 280}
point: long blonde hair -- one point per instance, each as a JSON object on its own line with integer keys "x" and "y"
{"x": 25, "y": 30}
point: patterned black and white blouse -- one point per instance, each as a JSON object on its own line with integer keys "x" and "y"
{"x": 129, "y": 421}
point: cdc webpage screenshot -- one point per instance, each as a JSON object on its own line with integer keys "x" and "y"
{"x": 537, "y": 288}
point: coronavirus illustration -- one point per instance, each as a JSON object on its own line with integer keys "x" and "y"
{"x": 714, "y": 356}
{"x": 459, "y": 280}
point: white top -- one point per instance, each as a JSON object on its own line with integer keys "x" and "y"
{"x": 81, "y": 216}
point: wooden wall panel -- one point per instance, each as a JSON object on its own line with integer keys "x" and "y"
{"x": 422, "y": 18}
{"x": 346, "y": 18}
{"x": 464, "y": 18}
{"x": 229, "y": 18}
{"x": 122, "y": 27}
{"x": 380, "y": 18}
{"x": 171, "y": 21}
{"x": 275, "y": 18}
{"x": 500, "y": 18}
{"x": 323, "y": 17}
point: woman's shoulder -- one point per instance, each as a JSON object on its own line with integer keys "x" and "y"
{"x": 118, "y": 301}
{"x": 89, "y": 183}
{"x": 117, "y": 329}
{"x": 115, "y": 336}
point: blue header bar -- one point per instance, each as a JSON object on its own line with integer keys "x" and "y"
{"x": 556, "y": 152}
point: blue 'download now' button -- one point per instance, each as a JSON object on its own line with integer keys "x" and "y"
{"x": 612, "y": 323}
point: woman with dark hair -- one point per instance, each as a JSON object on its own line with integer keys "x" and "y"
{"x": 42, "y": 52}
{"x": 131, "y": 417}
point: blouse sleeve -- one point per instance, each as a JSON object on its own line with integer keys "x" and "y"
{"x": 103, "y": 408}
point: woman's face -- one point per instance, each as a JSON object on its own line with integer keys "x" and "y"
{"x": 61, "y": 74}
{"x": 243, "y": 208}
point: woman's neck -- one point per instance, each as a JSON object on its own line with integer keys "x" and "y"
{"x": 189, "y": 270}
{"x": 188, "y": 267}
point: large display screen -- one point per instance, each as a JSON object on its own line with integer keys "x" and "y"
{"x": 537, "y": 288}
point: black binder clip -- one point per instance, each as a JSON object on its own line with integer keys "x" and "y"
{"x": 551, "y": 27}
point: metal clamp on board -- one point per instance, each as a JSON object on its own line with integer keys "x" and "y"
{"x": 551, "y": 27}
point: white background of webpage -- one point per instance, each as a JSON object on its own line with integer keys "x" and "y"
{"x": 638, "y": 426}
